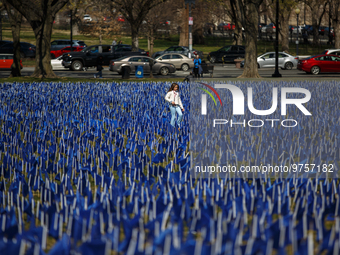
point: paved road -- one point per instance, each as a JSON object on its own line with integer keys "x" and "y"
{"x": 221, "y": 72}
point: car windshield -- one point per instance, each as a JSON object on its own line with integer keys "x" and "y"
{"x": 309, "y": 57}
{"x": 85, "y": 49}
{"x": 227, "y": 48}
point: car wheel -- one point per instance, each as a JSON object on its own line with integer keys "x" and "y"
{"x": 164, "y": 70}
{"x": 77, "y": 65}
{"x": 185, "y": 67}
{"x": 289, "y": 66}
{"x": 212, "y": 59}
{"x": 315, "y": 70}
{"x": 52, "y": 56}
{"x": 258, "y": 66}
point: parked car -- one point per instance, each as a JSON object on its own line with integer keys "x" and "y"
{"x": 228, "y": 53}
{"x": 221, "y": 26}
{"x": 57, "y": 63}
{"x": 59, "y": 44}
{"x": 261, "y": 25}
{"x": 120, "y": 19}
{"x": 332, "y": 52}
{"x": 6, "y": 61}
{"x": 57, "y": 53}
{"x": 133, "y": 61}
{"x": 127, "y": 48}
{"x": 296, "y": 29}
{"x": 308, "y": 29}
{"x": 271, "y": 28}
{"x": 326, "y": 31}
{"x": 178, "y": 60}
{"x": 320, "y": 64}
{"x": 87, "y": 17}
{"x": 286, "y": 61}
{"x": 322, "y": 30}
{"x": 88, "y": 56}
{"x": 27, "y": 50}
{"x": 4, "y": 42}
{"x": 180, "y": 50}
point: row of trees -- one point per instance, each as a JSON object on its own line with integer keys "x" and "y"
{"x": 244, "y": 13}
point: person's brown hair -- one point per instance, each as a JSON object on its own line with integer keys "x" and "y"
{"x": 173, "y": 86}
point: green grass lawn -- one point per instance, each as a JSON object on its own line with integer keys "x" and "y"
{"x": 210, "y": 43}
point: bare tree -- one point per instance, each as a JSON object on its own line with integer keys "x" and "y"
{"x": 335, "y": 14}
{"x": 135, "y": 12}
{"x": 318, "y": 10}
{"x": 15, "y": 19}
{"x": 103, "y": 23}
{"x": 40, "y": 14}
{"x": 156, "y": 20}
{"x": 286, "y": 7}
{"x": 249, "y": 10}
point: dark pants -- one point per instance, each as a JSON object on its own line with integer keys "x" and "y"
{"x": 196, "y": 70}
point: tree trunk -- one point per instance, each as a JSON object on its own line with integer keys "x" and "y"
{"x": 284, "y": 32}
{"x": 15, "y": 19}
{"x": 184, "y": 35}
{"x": 237, "y": 39}
{"x": 335, "y": 7}
{"x": 336, "y": 26}
{"x": 250, "y": 60}
{"x": 43, "y": 32}
{"x": 152, "y": 38}
{"x": 134, "y": 36}
{"x": 41, "y": 17}
{"x": 315, "y": 24}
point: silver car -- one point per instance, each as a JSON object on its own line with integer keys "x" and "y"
{"x": 286, "y": 61}
{"x": 178, "y": 60}
{"x": 134, "y": 61}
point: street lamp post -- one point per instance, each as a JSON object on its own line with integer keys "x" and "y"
{"x": 71, "y": 29}
{"x": 190, "y": 3}
{"x": 277, "y": 73}
{"x": 297, "y": 11}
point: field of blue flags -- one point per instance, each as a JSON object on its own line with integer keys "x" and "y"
{"x": 96, "y": 168}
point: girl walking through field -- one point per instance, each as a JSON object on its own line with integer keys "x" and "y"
{"x": 176, "y": 105}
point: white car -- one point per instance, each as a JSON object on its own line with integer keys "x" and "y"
{"x": 295, "y": 29}
{"x": 178, "y": 60}
{"x": 87, "y": 17}
{"x": 332, "y": 51}
{"x": 56, "y": 64}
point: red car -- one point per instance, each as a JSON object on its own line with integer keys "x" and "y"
{"x": 6, "y": 61}
{"x": 320, "y": 64}
{"x": 57, "y": 53}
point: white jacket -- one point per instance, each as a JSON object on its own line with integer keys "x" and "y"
{"x": 173, "y": 96}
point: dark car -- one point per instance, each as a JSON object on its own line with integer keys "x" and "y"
{"x": 320, "y": 64}
{"x": 322, "y": 30}
{"x": 307, "y": 29}
{"x": 27, "y": 50}
{"x": 228, "y": 53}
{"x": 179, "y": 49}
{"x": 59, "y": 44}
{"x": 88, "y": 56}
{"x": 126, "y": 47}
{"x": 326, "y": 31}
{"x": 4, "y": 42}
